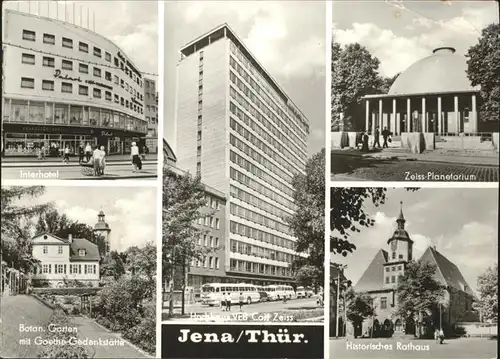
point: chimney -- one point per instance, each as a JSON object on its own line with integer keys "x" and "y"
{"x": 70, "y": 238}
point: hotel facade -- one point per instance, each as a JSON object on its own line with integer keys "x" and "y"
{"x": 151, "y": 114}
{"x": 240, "y": 131}
{"x": 65, "y": 85}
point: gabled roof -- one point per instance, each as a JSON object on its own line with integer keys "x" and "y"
{"x": 373, "y": 277}
{"x": 91, "y": 250}
{"x": 447, "y": 273}
{"x": 48, "y": 239}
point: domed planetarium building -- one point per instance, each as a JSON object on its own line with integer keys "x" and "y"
{"x": 65, "y": 85}
{"x": 434, "y": 95}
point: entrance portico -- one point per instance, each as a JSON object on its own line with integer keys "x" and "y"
{"x": 439, "y": 113}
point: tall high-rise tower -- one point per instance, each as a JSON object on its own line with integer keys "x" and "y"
{"x": 240, "y": 131}
{"x": 102, "y": 228}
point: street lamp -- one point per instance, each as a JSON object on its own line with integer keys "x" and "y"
{"x": 339, "y": 268}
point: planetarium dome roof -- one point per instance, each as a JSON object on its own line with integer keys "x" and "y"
{"x": 442, "y": 72}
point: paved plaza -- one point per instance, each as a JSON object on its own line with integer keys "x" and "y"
{"x": 382, "y": 348}
{"x": 347, "y": 167}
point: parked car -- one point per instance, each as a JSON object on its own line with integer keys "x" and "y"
{"x": 264, "y": 297}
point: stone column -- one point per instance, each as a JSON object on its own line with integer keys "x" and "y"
{"x": 394, "y": 114}
{"x": 408, "y": 114}
{"x": 367, "y": 115}
{"x": 474, "y": 114}
{"x": 439, "y": 110}
{"x": 455, "y": 102}
{"x": 424, "y": 116}
{"x": 380, "y": 115}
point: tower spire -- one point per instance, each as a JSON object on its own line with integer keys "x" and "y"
{"x": 401, "y": 219}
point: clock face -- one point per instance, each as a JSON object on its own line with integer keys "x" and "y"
{"x": 394, "y": 245}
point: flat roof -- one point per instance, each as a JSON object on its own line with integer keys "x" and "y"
{"x": 233, "y": 37}
{"x": 380, "y": 96}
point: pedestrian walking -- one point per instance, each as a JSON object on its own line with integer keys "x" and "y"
{"x": 66, "y": 155}
{"x": 376, "y": 141}
{"x": 88, "y": 151}
{"x": 241, "y": 299}
{"x": 364, "y": 147}
{"x": 386, "y": 134}
{"x": 228, "y": 302}
{"x": 81, "y": 154}
{"x": 136, "y": 159}
{"x": 224, "y": 302}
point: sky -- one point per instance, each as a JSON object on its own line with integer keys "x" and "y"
{"x": 133, "y": 26}
{"x": 461, "y": 223}
{"x": 399, "y": 33}
{"x": 287, "y": 38}
{"x": 130, "y": 211}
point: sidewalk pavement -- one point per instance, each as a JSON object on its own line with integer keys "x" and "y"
{"x": 87, "y": 328}
{"x": 456, "y": 157}
{"x": 51, "y": 161}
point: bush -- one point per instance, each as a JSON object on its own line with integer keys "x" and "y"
{"x": 144, "y": 333}
{"x": 59, "y": 319}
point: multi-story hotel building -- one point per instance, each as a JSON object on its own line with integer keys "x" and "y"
{"x": 65, "y": 85}
{"x": 239, "y": 130}
{"x": 151, "y": 114}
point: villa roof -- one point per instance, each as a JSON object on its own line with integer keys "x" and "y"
{"x": 91, "y": 250}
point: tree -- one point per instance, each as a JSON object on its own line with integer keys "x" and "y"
{"x": 359, "y": 307}
{"x": 386, "y": 83}
{"x": 487, "y": 284}
{"x": 347, "y": 214}
{"x": 483, "y": 69}
{"x": 15, "y": 224}
{"x": 419, "y": 294}
{"x": 183, "y": 198}
{"x": 113, "y": 266}
{"x": 60, "y": 225}
{"x": 308, "y": 221}
{"x": 354, "y": 75}
{"x": 142, "y": 262}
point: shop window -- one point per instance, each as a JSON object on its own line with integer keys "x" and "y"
{"x": 83, "y": 90}
{"x": 83, "y": 68}
{"x": 27, "y": 83}
{"x": 67, "y": 87}
{"x": 49, "y": 61}
{"x": 48, "y": 85}
{"x": 67, "y": 65}
{"x": 29, "y": 35}
{"x": 49, "y": 39}
{"x": 83, "y": 47}
{"x": 66, "y": 42}
{"x": 28, "y": 59}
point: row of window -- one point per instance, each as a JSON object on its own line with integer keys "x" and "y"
{"x": 260, "y": 235}
{"x": 250, "y": 152}
{"x": 258, "y": 251}
{"x": 73, "y": 269}
{"x": 52, "y": 113}
{"x": 394, "y": 256}
{"x": 256, "y": 171}
{"x": 289, "y": 114}
{"x": 209, "y": 221}
{"x": 388, "y": 269}
{"x": 208, "y": 241}
{"x": 212, "y": 202}
{"x": 208, "y": 262}
{"x": 292, "y": 142}
{"x": 262, "y": 189}
{"x": 48, "y": 61}
{"x": 238, "y": 265}
{"x": 281, "y": 154}
{"x": 67, "y": 87}
{"x": 258, "y": 218}
{"x": 258, "y": 202}
{"x": 392, "y": 279}
{"x": 66, "y": 42}
{"x": 200, "y": 110}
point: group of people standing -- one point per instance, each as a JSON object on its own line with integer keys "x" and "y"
{"x": 225, "y": 303}
{"x": 363, "y": 137}
{"x": 95, "y": 159}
